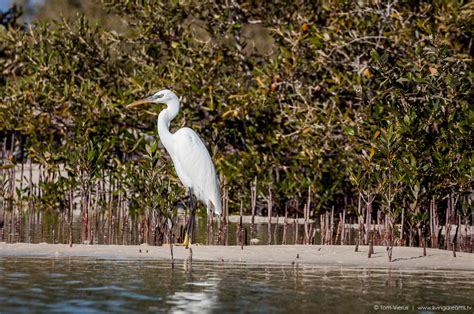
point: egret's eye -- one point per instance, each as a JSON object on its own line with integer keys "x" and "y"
{"x": 159, "y": 96}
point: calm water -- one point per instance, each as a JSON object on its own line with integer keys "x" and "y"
{"x": 86, "y": 285}
{"x": 49, "y": 230}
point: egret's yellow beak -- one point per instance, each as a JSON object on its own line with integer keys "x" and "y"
{"x": 139, "y": 102}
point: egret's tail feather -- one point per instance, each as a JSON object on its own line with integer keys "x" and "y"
{"x": 217, "y": 207}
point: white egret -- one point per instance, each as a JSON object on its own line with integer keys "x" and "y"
{"x": 191, "y": 159}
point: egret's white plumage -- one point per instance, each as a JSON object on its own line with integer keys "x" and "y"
{"x": 190, "y": 157}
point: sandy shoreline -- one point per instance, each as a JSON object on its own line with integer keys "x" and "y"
{"x": 310, "y": 255}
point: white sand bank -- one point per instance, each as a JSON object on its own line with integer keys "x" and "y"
{"x": 246, "y": 219}
{"x": 314, "y": 255}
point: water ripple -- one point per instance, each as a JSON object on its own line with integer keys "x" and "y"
{"x": 87, "y": 285}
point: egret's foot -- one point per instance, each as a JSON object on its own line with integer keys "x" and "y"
{"x": 187, "y": 241}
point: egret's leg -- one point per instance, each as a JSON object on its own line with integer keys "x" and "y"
{"x": 190, "y": 225}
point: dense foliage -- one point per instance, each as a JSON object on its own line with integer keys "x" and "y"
{"x": 356, "y": 102}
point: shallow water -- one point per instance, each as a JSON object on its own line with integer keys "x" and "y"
{"x": 44, "y": 230}
{"x": 88, "y": 285}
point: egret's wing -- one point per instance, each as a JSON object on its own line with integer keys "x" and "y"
{"x": 195, "y": 168}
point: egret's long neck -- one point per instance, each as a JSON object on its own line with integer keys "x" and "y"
{"x": 164, "y": 120}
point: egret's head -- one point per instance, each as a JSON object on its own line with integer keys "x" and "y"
{"x": 161, "y": 97}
